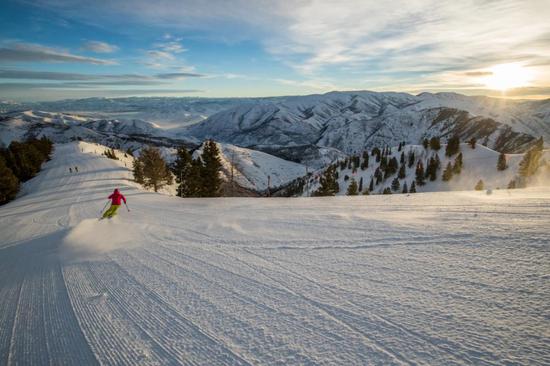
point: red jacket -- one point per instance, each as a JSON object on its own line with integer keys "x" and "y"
{"x": 116, "y": 197}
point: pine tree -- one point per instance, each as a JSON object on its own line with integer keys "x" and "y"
{"x": 447, "y": 173}
{"x": 425, "y": 143}
{"x": 365, "y": 163}
{"x": 435, "y": 143}
{"x": 512, "y": 184}
{"x": 138, "y": 171}
{"x": 402, "y": 172}
{"x": 479, "y": 185}
{"x": 413, "y": 187}
{"x": 361, "y": 185}
{"x": 411, "y": 159}
{"x": 458, "y": 164}
{"x": 453, "y": 146}
{"x": 402, "y": 158}
{"x": 352, "y": 188}
{"x": 387, "y": 190}
{"x": 420, "y": 174}
{"x": 9, "y": 184}
{"x": 154, "y": 169}
{"x": 328, "y": 184}
{"x": 431, "y": 170}
{"x": 501, "y": 163}
{"x": 210, "y": 174}
{"x": 405, "y": 188}
{"x": 183, "y": 171}
{"x": 531, "y": 160}
{"x": 399, "y": 147}
{"x": 371, "y": 185}
{"x": 395, "y": 185}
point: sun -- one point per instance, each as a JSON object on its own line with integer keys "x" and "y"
{"x": 508, "y": 76}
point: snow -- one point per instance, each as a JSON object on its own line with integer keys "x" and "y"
{"x": 479, "y": 163}
{"x": 447, "y": 278}
{"x": 254, "y": 169}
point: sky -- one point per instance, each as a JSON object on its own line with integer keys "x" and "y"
{"x": 59, "y": 49}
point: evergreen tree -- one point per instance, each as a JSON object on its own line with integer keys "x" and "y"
{"x": 447, "y": 173}
{"x": 431, "y": 170}
{"x": 435, "y": 143}
{"x": 395, "y": 185}
{"x": 425, "y": 143}
{"x": 371, "y": 185}
{"x": 402, "y": 158}
{"x": 413, "y": 187}
{"x": 402, "y": 172}
{"x": 453, "y": 146}
{"x": 531, "y": 160}
{"x": 155, "y": 172}
{"x": 512, "y": 184}
{"x": 387, "y": 190}
{"x": 210, "y": 173}
{"x": 138, "y": 171}
{"x": 352, "y": 188}
{"x": 366, "y": 192}
{"x": 129, "y": 152}
{"x": 185, "y": 173}
{"x": 501, "y": 163}
{"x": 361, "y": 185}
{"x": 411, "y": 159}
{"x": 9, "y": 184}
{"x": 399, "y": 147}
{"x": 365, "y": 163}
{"x": 419, "y": 174}
{"x": 24, "y": 160}
{"x": 479, "y": 186}
{"x": 472, "y": 142}
{"x": 405, "y": 188}
{"x": 458, "y": 164}
{"x": 391, "y": 168}
{"x": 378, "y": 175}
{"x": 328, "y": 184}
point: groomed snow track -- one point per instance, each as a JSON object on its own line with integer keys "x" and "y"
{"x": 438, "y": 278}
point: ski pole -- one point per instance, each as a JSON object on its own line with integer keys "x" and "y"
{"x": 103, "y": 209}
{"x": 125, "y": 204}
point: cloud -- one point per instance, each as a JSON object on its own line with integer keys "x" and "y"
{"x": 62, "y": 76}
{"x": 27, "y": 52}
{"x": 99, "y": 47}
{"x": 478, "y": 73}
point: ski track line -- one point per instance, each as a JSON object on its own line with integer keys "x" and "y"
{"x": 207, "y": 305}
{"x": 373, "y": 344}
{"x": 245, "y": 299}
{"x": 426, "y": 340}
{"x": 101, "y": 321}
{"x": 284, "y": 295}
{"x": 161, "y": 307}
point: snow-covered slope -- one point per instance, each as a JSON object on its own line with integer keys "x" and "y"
{"x": 254, "y": 169}
{"x": 433, "y": 278}
{"x": 479, "y": 164}
{"x": 354, "y": 121}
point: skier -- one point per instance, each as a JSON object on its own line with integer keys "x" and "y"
{"x": 115, "y": 204}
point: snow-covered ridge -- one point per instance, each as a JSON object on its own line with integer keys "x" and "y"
{"x": 354, "y": 121}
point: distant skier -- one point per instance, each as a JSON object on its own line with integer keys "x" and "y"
{"x": 76, "y": 169}
{"x": 115, "y": 198}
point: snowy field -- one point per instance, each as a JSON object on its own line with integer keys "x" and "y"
{"x": 434, "y": 278}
